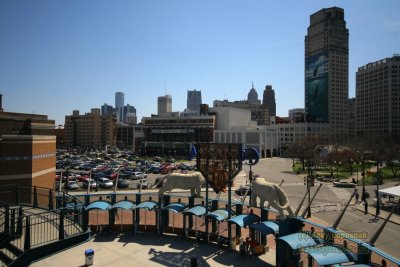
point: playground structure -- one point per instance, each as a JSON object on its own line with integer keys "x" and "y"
{"x": 213, "y": 221}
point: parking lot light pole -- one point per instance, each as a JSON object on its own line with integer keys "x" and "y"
{"x": 377, "y": 188}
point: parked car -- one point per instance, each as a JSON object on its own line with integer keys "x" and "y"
{"x": 72, "y": 185}
{"x": 138, "y": 175}
{"x": 122, "y": 183}
{"x": 344, "y": 184}
{"x": 105, "y": 182}
{"x": 93, "y": 184}
{"x": 243, "y": 190}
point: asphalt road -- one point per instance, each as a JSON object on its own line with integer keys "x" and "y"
{"x": 276, "y": 169}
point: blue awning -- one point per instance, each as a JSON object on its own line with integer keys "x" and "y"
{"x": 218, "y": 215}
{"x": 244, "y": 220}
{"x": 266, "y": 228}
{"x": 126, "y": 205}
{"x": 146, "y": 205}
{"x": 301, "y": 240}
{"x": 358, "y": 265}
{"x": 99, "y": 205}
{"x": 176, "y": 207}
{"x": 196, "y": 210}
{"x": 328, "y": 255}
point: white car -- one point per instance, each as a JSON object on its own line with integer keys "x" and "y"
{"x": 138, "y": 175}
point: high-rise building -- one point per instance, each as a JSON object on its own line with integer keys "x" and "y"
{"x": 119, "y": 106}
{"x": 194, "y": 100}
{"x": 326, "y": 71}
{"x": 107, "y": 109}
{"x": 269, "y": 100}
{"x": 378, "y": 98}
{"x": 130, "y": 114}
{"x": 164, "y": 104}
{"x": 252, "y": 96}
{"x": 90, "y": 130}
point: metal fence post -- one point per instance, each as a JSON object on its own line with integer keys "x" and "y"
{"x": 19, "y": 222}
{"x": 61, "y": 234}
{"x": 35, "y": 199}
{"x": 51, "y": 199}
{"x": 16, "y": 194}
{"x": 27, "y": 242}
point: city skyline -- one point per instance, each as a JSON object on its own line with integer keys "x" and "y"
{"x": 68, "y": 55}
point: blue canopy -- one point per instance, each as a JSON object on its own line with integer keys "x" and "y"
{"x": 244, "y": 220}
{"x": 218, "y": 215}
{"x": 146, "y": 205}
{"x": 176, "y": 207}
{"x": 358, "y": 265}
{"x": 328, "y": 255}
{"x": 99, "y": 205}
{"x": 124, "y": 204}
{"x": 196, "y": 210}
{"x": 266, "y": 227}
{"x": 301, "y": 240}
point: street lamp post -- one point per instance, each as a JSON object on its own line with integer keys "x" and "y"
{"x": 363, "y": 180}
{"x": 308, "y": 184}
{"x": 377, "y": 188}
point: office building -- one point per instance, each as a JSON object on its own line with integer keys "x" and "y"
{"x": 326, "y": 71}
{"x": 378, "y": 98}
{"x": 252, "y": 96}
{"x": 269, "y": 100}
{"x": 164, "y": 104}
{"x": 130, "y": 114}
{"x": 194, "y": 101}
{"x": 107, "y": 109}
{"x": 119, "y": 106}
{"x": 90, "y": 130}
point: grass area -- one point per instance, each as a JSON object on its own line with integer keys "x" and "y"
{"x": 344, "y": 173}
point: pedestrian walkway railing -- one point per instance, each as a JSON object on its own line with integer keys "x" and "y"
{"x": 38, "y": 221}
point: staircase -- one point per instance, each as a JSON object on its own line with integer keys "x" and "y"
{"x": 30, "y": 231}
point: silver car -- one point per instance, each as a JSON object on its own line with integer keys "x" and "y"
{"x": 105, "y": 182}
{"x": 138, "y": 175}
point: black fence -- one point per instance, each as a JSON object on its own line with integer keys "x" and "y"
{"x": 32, "y": 217}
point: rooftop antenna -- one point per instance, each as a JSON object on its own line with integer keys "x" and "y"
{"x": 165, "y": 87}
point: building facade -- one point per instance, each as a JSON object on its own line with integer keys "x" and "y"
{"x": 90, "y": 130}
{"x": 269, "y": 100}
{"x": 107, "y": 109}
{"x": 164, "y": 104}
{"x": 326, "y": 71}
{"x": 119, "y": 106}
{"x": 378, "y": 98}
{"x": 27, "y": 160}
{"x": 174, "y": 135}
{"x": 194, "y": 101}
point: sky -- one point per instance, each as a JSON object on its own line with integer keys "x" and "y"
{"x": 65, "y": 55}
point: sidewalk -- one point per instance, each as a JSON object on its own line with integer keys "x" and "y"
{"x": 383, "y": 214}
{"x": 149, "y": 249}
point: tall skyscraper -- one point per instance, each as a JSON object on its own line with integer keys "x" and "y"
{"x": 326, "y": 71}
{"x": 119, "y": 106}
{"x": 194, "y": 100}
{"x": 252, "y": 96}
{"x": 269, "y": 100}
{"x": 164, "y": 104}
{"x": 378, "y": 98}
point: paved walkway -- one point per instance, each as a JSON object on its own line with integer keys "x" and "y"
{"x": 148, "y": 249}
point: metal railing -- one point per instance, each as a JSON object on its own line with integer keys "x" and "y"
{"x": 34, "y": 217}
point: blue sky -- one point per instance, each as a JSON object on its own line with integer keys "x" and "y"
{"x": 58, "y": 56}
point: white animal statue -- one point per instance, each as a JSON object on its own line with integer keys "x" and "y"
{"x": 271, "y": 193}
{"x": 193, "y": 181}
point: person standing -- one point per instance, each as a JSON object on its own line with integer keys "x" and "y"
{"x": 356, "y": 195}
